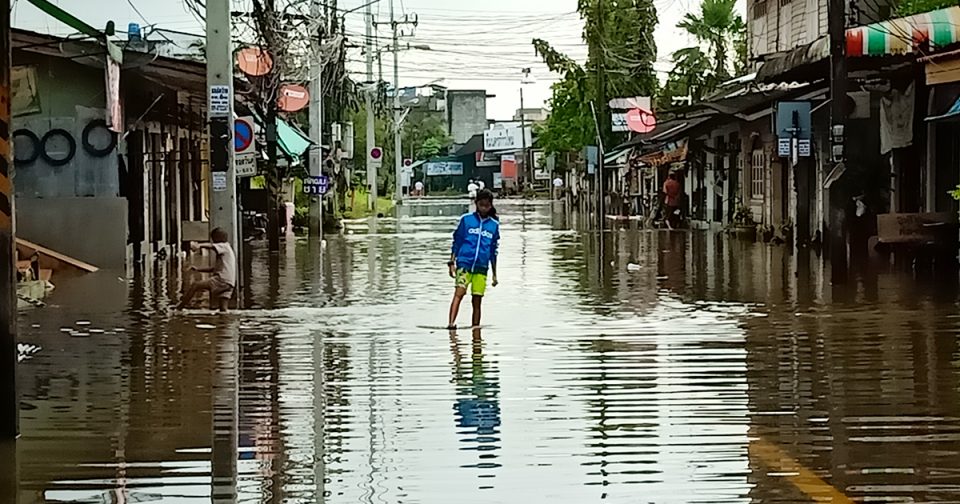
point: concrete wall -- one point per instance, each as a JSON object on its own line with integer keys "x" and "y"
{"x": 74, "y": 209}
{"x": 71, "y": 95}
{"x": 466, "y": 114}
{"x": 93, "y": 230}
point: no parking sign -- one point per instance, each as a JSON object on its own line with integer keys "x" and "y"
{"x": 245, "y": 147}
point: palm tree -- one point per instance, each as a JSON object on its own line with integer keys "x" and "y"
{"x": 719, "y": 25}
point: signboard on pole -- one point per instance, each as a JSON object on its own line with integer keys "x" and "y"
{"x": 375, "y": 158}
{"x": 244, "y": 147}
{"x": 219, "y": 181}
{"x": 219, "y": 101}
{"x": 316, "y": 186}
{"x": 618, "y": 122}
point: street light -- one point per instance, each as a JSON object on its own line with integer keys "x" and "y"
{"x": 526, "y": 79}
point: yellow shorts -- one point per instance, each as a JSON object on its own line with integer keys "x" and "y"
{"x": 477, "y": 282}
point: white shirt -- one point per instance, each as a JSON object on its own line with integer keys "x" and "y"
{"x": 472, "y": 187}
{"x": 226, "y": 267}
{"x": 558, "y": 182}
{"x": 481, "y": 184}
{"x": 419, "y": 185}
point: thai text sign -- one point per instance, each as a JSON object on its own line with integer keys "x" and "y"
{"x": 441, "y": 168}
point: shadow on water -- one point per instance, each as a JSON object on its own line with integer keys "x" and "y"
{"x": 676, "y": 366}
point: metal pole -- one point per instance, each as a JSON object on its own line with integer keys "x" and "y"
{"x": 397, "y": 141}
{"x": 9, "y": 403}
{"x": 838, "y": 92}
{"x": 316, "y": 120}
{"x": 371, "y": 120}
{"x": 527, "y": 174}
{"x": 223, "y": 212}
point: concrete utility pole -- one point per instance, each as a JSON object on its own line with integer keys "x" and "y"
{"x": 397, "y": 141}
{"x": 316, "y": 118}
{"x": 838, "y": 117}
{"x": 9, "y": 403}
{"x": 223, "y": 199}
{"x": 527, "y": 173}
{"x": 371, "y": 120}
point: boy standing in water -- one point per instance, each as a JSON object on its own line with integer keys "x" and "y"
{"x": 475, "y": 244}
{"x": 223, "y": 273}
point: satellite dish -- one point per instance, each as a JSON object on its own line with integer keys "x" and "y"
{"x": 293, "y": 98}
{"x": 641, "y": 121}
{"x": 254, "y": 61}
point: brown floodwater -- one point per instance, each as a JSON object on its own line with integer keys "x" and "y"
{"x": 649, "y": 367}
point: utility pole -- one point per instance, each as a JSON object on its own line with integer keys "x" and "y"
{"x": 527, "y": 173}
{"x": 9, "y": 403}
{"x": 838, "y": 197}
{"x": 316, "y": 118}
{"x": 223, "y": 199}
{"x": 371, "y": 120}
{"x": 397, "y": 147}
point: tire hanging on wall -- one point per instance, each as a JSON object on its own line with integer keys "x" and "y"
{"x": 88, "y": 146}
{"x": 70, "y": 142}
{"x": 34, "y": 154}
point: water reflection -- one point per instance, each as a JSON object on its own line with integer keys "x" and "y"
{"x": 477, "y": 408}
{"x": 629, "y": 366}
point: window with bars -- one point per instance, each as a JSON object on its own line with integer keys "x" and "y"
{"x": 759, "y": 9}
{"x": 757, "y": 172}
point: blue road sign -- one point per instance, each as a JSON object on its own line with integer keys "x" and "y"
{"x": 242, "y": 135}
{"x": 316, "y": 185}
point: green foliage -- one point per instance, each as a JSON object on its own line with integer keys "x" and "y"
{"x": 911, "y": 7}
{"x": 622, "y": 50}
{"x": 955, "y": 194}
{"x": 697, "y": 72}
{"x": 426, "y": 134}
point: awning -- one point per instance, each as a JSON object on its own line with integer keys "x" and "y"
{"x": 292, "y": 142}
{"x": 928, "y": 31}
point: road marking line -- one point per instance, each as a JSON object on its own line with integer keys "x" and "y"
{"x": 801, "y": 477}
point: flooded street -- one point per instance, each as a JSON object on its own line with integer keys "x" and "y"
{"x": 658, "y": 367}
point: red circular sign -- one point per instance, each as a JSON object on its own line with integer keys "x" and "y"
{"x": 376, "y": 153}
{"x": 407, "y": 162}
{"x": 641, "y": 121}
{"x": 293, "y": 98}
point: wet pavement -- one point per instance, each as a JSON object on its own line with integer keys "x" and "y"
{"x": 651, "y": 367}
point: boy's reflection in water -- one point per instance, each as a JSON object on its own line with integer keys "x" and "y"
{"x": 477, "y": 409}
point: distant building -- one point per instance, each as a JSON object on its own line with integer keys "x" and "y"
{"x": 531, "y": 115}
{"x": 466, "y": 113}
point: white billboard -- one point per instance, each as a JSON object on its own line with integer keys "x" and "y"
{"x": 501, "y": 139}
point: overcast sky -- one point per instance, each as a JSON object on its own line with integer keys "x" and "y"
{"x": 473, "y": 45}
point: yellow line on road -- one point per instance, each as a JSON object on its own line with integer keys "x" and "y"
{"x": 801, "y": 477}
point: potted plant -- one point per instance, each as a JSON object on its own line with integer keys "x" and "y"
{"x": 743, "y": 225}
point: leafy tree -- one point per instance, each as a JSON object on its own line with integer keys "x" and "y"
{"x": 911, "y": 7}
{"x": 718, "y": 25}
{"x": 425, "y": 134}
{"x": 692, "y": 75}
{"x": 697, "y": 71}
{"x": 622, "y": 50}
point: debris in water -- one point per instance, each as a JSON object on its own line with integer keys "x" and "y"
{"x": 83, "y": 322}
{"x": 205, "y": 327}
{"x": 80, "y": 334}
{"x": 633, "y": 267}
